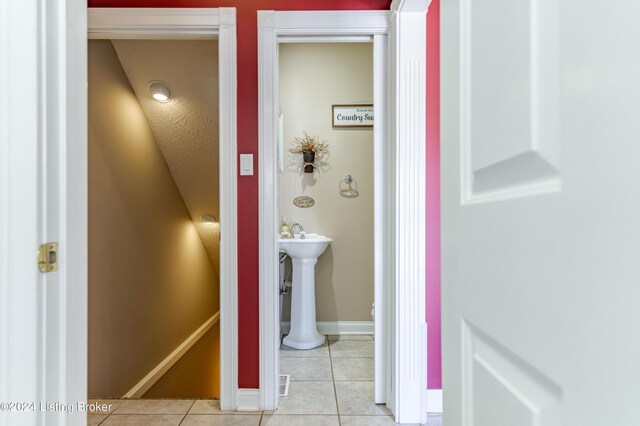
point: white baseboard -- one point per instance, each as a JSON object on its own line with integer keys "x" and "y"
{"x": 154, "y": 375}
{"x": 248, "y": 399}
{"x": 338, "y": 327}
{"x": 434, "y": 401}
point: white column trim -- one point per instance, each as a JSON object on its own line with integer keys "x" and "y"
{"x": 408, "y": 95}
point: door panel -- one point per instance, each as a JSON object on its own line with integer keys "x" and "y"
{"x": 510, "y": 83}
{"x": 540, "y": 219}
{"x": 502, "y": 388}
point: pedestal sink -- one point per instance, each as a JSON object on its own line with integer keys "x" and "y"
{"x": 304, "y": 254}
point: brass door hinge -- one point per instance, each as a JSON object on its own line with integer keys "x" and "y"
{"x": 48, "y": 257}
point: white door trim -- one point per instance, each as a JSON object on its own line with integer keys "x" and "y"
{"x": 40, "y": 48}
{"x": 196, "y": 23}
{"x": 404, "y": 198}
{"x": 285, "y": 27}
{"x": 380, "y": 190}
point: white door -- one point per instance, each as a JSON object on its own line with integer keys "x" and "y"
{"x": 541, "y": 217}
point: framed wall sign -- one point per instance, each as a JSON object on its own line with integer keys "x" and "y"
{"x": 352, "y": 115}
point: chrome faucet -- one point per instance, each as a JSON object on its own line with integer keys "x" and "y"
{"x": 302, "y": 233}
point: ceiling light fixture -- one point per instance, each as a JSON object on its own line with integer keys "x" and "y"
{"x": 159, "y": 91}
{"x": 207, "y": 219}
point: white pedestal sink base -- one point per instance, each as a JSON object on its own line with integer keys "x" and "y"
{"x": 304, "y": 333}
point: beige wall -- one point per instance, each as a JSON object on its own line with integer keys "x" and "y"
{"x": 151, "y": 283}
{"x": 312, "y": 78}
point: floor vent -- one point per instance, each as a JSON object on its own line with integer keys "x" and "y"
{"x": 283, "y": 386}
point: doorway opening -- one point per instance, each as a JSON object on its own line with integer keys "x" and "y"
{"x": 177, "y": 124}
{"x": 343, "y": 184}
{"x": 326, "y": 98}
{"x": 154, "y": 232}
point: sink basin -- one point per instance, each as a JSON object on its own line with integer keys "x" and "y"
{"x": 304, "y": 255}
{"x": 310, "y": 247}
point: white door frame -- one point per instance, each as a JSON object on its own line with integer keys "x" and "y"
{"x": 399, "y": 36}
{"x": 195, "y": 23}
{"x": 43, "y": 197}
{"x": 43, "y": 327}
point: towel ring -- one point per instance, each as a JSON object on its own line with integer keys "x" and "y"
{"x": 349, "y": 191}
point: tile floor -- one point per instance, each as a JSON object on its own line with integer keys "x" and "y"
{"x": 330, "y": 386}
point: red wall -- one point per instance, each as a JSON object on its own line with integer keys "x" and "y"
{"x": 248, "y": 350}
{"x": 434, "y": 379}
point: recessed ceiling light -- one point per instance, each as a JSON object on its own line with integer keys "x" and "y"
{"x": 207, "y": 219}
{"x": 159, "y": 91}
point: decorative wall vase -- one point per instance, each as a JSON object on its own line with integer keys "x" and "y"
{"x": 308, "y": 157}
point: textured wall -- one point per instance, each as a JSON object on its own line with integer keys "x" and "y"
{"x": 151, "y": 283}
{"x": 312, "y": 78}
{"x": 186, "y": 127}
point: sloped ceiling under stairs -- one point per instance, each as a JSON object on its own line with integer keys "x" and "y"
{"x": 185, "y": 127}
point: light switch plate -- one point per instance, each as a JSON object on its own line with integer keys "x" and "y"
{"x": 246, "y": 164}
